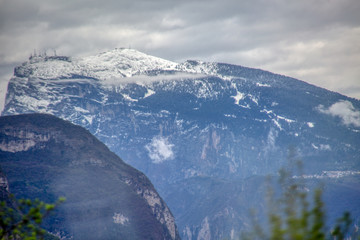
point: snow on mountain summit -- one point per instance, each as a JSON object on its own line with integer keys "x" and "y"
{"x": 123, "y": 63}
{"x": 110, "y": 66}
{"x": 114, "y": 64}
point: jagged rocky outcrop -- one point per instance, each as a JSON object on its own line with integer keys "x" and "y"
{"x": 4, "y": 189}
{"x": 208, "y": 124}
{"x": 45, "y": 157}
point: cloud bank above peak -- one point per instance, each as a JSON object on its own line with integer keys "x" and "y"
{"x": 312, "y": 40}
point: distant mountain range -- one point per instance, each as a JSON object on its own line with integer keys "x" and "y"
{"x": 44, "y": 157}
{"x": 204, "y": 133}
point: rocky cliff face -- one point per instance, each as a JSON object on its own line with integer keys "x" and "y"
{"x": 4, "y": 187}
{"x": 208, "y": 124}
{"x": 45, "y": 157}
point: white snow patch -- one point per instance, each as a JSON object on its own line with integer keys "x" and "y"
{"x": 245, "y": 106}
{"x": 314, "y": 146}
{"x": 322, "y": 147}
{"x": 119, "y": 218}
{"x": 266, "y": 111}
{"x": 277, "y": 124}
{"x": 120, "y": 63}
{"x": 344, "y": 110}
{"x": 239, "y": 96}
{"x": 113, "y": 66}
{"x": 127, "y": 97}
{"x": 160, "y": 149}
{"x": 310, "y": 124}
{"x": 286, "y": 119}
{"x": 230, "y": 115}
{"x": 254, "y": 99}
{"x": 149, "y": 93}
{"x": 329, "y": 174}
{"x": 79, "y": 109}
{"x": 89, "y": 119}
{"x": 262, "y": 85}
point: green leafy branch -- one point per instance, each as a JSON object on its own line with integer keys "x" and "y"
{"x": 22, "y": 220}
{"x": 291, "y": 216}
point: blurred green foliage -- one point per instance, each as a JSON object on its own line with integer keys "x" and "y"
{"x": 21, "y": 219}
{"x": 295, "y": 212}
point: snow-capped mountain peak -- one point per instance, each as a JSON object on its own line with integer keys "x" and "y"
{"x": 114, "y": 64}
{"x": 122, "y": 62}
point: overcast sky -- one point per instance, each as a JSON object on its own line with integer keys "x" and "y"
{"x": 317, "y": 41}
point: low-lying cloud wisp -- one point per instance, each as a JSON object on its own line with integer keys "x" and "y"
{"x": 143, "y": 79}
{"x": 344, "y": 110}
{"x": 160, "y": 149}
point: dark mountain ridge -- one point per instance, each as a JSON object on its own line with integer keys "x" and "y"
{"x": 45, "y": 157}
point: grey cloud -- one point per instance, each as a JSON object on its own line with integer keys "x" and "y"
{"x": 5, "y": 76}
{"x": 304, "y": 39}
